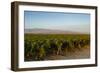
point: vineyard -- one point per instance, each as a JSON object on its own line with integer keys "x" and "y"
{"x": 40, "y": 46}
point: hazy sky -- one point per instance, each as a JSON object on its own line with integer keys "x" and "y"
{"x": 77, "y": 22}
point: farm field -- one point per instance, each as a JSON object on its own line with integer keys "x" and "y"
{"x": 41, "y": 47}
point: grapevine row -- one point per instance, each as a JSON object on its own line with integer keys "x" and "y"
{"x": 40, "y": 49}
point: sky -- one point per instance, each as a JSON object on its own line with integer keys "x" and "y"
{"x": 77, "y": 22}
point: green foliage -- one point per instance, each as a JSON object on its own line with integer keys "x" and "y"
{"x": 39, "y": 46}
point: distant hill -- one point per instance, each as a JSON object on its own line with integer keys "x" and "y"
{"x": 48, "y": 31}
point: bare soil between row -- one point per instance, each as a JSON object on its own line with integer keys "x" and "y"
{"x": 83, "y": 53}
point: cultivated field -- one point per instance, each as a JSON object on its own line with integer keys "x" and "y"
{"x": 40, "y": 47}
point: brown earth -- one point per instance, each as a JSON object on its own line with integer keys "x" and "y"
{"x": 83, "y": 53}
